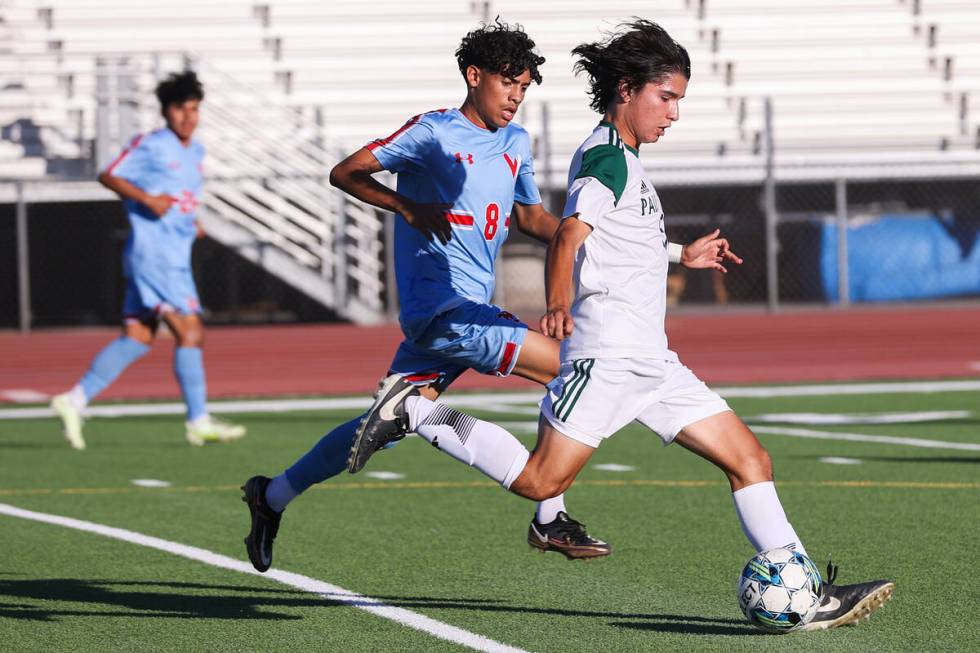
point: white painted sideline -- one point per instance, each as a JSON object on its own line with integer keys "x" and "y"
{"x": 326, "y": 590}
{"x": 818, "y": 419}
{"x": 494, "y": 400}
{"x": 861, "y": 437}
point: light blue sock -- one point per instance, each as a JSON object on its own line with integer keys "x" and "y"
{"x": 189, "y": 369}
{"x": 110, "y": 363}
{"x": 326, "y": 459}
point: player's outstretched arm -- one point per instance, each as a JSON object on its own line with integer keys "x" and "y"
{"x": 709, "y": 251}
{"x": 557, "y": 322}
{"x": 535, "y": 221}
{"x": 353, "y": 175}
{"x": 127, "y": 190}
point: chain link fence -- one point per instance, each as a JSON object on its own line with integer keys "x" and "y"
{"x": 905, "y": 241}
{"x": 73, "y": 256}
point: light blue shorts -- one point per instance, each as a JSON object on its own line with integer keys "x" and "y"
{"x": 148, "y": 296}
{"x": 482, "y": 337}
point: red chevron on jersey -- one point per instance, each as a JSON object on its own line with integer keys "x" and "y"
{"x": 513, "y": 164}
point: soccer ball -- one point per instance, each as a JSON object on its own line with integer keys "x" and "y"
{"x": 779, "y": 590}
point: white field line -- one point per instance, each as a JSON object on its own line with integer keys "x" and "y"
{"x": 479, "y": 400}
{"x": 819, "y": 419}
{"x": 860, "y": 437}
{"x": 326, "y": 590}
{"x": 532, "y": 427}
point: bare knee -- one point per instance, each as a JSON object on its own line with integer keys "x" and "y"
{"x": 753, "y": 467}
{"x": 192, "y": 337}
{"x": 140, "y": 332}
{"x": 537, "y": 488}
{"x": 188, "y": 332}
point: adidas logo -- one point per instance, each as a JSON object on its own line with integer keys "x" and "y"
{"x": 643, "y": 186}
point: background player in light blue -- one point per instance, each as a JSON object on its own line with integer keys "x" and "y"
{"x": 159, "y": 178}
{"x": 465, "y": 177}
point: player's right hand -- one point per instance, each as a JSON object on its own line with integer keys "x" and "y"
{"x": 430, "y": 219}
{"x": 159, "y": 204}
{"x": 557, "y": 323}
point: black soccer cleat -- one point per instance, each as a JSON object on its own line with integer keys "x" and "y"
{"x": 566, "y": 536}
{"x": 265, "y": 523}
{"x": 385, "y": 422}
{"x": 844, "y": 605}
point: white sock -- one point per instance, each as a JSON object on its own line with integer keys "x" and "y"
{"x": 278, "y": 493}
{"x": 549, "y": 508}
{"x": 763, "y": 519}
{"x": 78, "y": 398}
{"x": 483, "y": 445}
{"x": 201, "y": 420}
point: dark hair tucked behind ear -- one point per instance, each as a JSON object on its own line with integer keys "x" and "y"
{"x": 638, "y": 53}
{"x": 179, "y": 88}
{"x": 499, "y": 48}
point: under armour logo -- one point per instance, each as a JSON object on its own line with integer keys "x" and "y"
{"x": 460, "y": 158}
{"x": 186, "y": 202}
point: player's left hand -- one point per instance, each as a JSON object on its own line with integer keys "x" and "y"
{"x": 557, "y": 323}
{"x": 709, "y": 252}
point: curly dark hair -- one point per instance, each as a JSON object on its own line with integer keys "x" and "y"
{"x": 499, "y": 48}
{"x": 640, "y": 52}
{"x": 178, "y": 88}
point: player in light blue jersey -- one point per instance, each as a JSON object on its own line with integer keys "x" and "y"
{"x": 159, "y": 178}
{"x": 465, "y": 179}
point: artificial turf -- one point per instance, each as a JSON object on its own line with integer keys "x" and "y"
{"x": 444, "y": 542}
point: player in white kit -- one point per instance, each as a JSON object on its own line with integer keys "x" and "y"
{"x": 616, "y": 366}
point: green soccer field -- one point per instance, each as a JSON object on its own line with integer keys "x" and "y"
{"x": 899, "y": 498}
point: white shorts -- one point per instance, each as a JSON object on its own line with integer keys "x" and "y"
{"x": 593, "y": 398}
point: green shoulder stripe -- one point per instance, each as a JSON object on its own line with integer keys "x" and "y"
{"x": 607, "y": 164}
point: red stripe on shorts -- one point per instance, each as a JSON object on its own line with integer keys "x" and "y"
{"x": 422, "y": 378}
{"x": 509, "y": 349}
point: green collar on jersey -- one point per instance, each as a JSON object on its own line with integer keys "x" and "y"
{"x": 606, "y": 123}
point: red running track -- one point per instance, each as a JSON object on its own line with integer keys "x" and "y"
{"x": 342, "y": 359}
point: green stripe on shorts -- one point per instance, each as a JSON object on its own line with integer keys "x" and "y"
{"x": 583, "y": 371}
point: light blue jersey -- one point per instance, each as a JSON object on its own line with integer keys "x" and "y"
{"x": 160, "y": 164}
{"x": 442, "y": 157}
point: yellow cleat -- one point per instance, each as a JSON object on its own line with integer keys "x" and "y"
{"x": 211, "y": 429}
{"x": 71, "y": 418}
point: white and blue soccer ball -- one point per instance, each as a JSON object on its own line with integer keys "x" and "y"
{"x": 779, "y": 590}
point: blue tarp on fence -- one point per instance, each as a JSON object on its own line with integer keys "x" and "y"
{"x": 904, "y": 257}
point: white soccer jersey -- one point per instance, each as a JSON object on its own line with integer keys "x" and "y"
{"x": 620, "y": 271}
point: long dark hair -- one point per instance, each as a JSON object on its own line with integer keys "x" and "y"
{"x": 638, "y": 53}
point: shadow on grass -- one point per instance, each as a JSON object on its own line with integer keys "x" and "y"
{"x": 694, "y": 627}
{"x": 101, "y": 598}
{"x": 21, "y": 599}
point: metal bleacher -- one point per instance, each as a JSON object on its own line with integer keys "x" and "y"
{"x": 866, "y": 87}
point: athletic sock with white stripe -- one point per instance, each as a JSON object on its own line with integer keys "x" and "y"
{"x": 763, "y": 519}
{"x": 483, "y": 445}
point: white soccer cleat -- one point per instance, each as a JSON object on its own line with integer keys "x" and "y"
{"x": 211, "y": 429}
{"x": 71, "y": 418}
